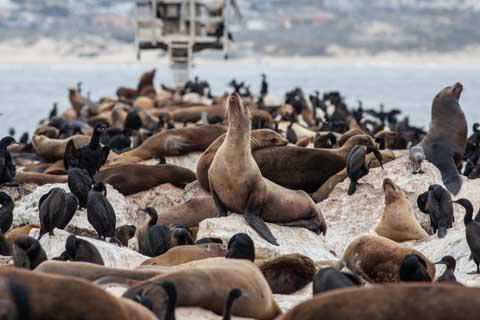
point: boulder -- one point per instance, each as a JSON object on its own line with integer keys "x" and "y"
{"x": 188, "y": 161}
{"x": 113, "y": 255}
{"x": 162, "y": 196}
{"x": 291, "y": 240}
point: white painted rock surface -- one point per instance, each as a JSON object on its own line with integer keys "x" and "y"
{"x": 291, "y": 240}
{"x": 113, "y": 256}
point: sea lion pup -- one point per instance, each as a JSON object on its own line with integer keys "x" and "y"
{"x": 125, "y": 233}
{"x": 100, "y": 213}
{"x": 49, "y": 292}
{"x": 80, "y": 250}
{"x": 440, "y": 209}
{"x": 93, "y": 272}
{"x": 357, "y": 168}
{"x": 329, "y": 278}
{"x": 242, "y": 188}
{"x": 416, "y": 157}
{"x": 27, "y": 252}
{"x": 39, "y": 178}
{"x": 6, "y": 212}
{"x": 399, "y": 302}
{"x": 448, "y": 275}
{"x": 261, "y": 138}
{"x": 133, "y": 178}
{"x": 184, "y": 254}
{"x": 472, "y": 231}
{"x": 53, "y": 149}
{"x": 174, "y": 142}
{"x": 256, "y": 301}
{"x": 378, "y": 259}
{"x": 280, "y": 164}
{"x": 414, "y": 269}
{"x": 398, "y": 222}
{"x": 80, "y": 183}
{"x": 444, "y": 144}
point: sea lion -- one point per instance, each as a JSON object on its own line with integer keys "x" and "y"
{"x": 350, "y": 133}
{"x": 190, "y": 213}
{"x": 39, "y": 178}
{"x": 48, "y": 292}
{"x": 194, "y": 114}
{"x": 444, "y": 144}
{"x": 378, "y": 259}
{"x": 183, "y": 254}
{"x": 261, "y": 138}
{"x": 237, "y": 185}
{"x": 398, "y": 222}
{"x": 385, "y": 139}
{"x": 280, "y": 164}
{"x": 54, "y": 149}
{"x": 173, "y": 142}
{"x": 19, "y": 231}
{"x": 133, "y": 178}
{"x": 215, "y": 278}
{"x": 399, "y": 302}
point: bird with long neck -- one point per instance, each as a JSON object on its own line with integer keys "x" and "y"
{"x": 97, "y": 132}
{"x": 472, "y": 230}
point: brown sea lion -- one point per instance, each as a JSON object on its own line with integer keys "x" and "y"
{"x": 39, "y": 178}
{"x": 183, "y": 254}
{"x": 281, "y": 164}
{"x": 237, "y": 185}
{"x": 261, "y": 138}
{"x": 394, "y": 302}
{"x": 18, "y": 231}
{"x": 385, "y": 139}
{"x": 174, "y": 142}
{"x": 347, "y": 135}
{"x": 47, "y": 298}
{"x": 398, "y": 222}
{"x": 133, "y": 178}
{"x": 194, "y": 114}
{"x": 378, "y": 259}
{"x": 53, "y": 149}
{"x": 190, "y": 213}
{"x": 207, "y": 283}
{"x": 444, "y": 144}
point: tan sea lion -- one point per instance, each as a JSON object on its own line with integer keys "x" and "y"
{"x": 190, "y": 213}
{"x": 378, "y": 259}
{"x": 174, "y": 142}
{"x": 54, "y": 149}
{"x": 260, "y": 139}
{"x": 46, "y": 295}
{"x": 394, "y": 302}
{"x": 281, "y": 164}
{"x": 444, "y": 144}
{"x": 39, "y": 178}
{"x": 18, "y": 231}
{"x": 398, "y": 222}
{"x": 133, "y": 178}
{"x": 194, "y": 114}
{"x": 183, "y": 254}
{"x": 237, "y": 185}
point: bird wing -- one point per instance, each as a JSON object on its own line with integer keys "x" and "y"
{"x": 70, "y": 152}
{"x": 356, "y": 159}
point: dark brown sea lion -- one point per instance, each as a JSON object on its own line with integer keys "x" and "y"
{"x": 394, "y": 302}
{"x": 237, "y": 185}
{"x": 173, "y": 142}
{"x": 261, "y": 138}
{"x": 183, "y": 254}
{"x": 47, "y": 295}
{"x": 444, "y": 144}
{"x": 347, "y": 135}
{"x": 378, "y": 259}
{"x": 305, "y": 168}
{"x": 133, "y": 178}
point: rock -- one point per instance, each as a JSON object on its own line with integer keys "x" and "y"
{"x": 17, "y": 193}
{"x": 291, "y": 240}
{"x": 162, "y": 196}
{"x": 185, "y": 313}
{"x": 188, "y": 161}
{"x": 26, "y": 209}
{"x": 113, "y": 256}
{"x": 287, "y": 302}
{"x": 194, "y": 190}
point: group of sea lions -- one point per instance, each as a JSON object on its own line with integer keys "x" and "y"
{"x": 271, "y": 164}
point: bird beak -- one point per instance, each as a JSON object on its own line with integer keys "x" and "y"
{"x": 378, "y": 155}
{"x": 439, "y": 262}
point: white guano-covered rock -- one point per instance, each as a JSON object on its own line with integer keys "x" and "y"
{"x": 291, "y": 240}
{"x": 113, "y": 255}
{"x": 188, "y": 161}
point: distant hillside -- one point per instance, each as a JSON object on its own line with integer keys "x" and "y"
{"x": 276, "y": 27}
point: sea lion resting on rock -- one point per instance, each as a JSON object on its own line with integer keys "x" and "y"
{"x": 237, "y": 185}
{"x": 398, "y": 222}
{"x": 261, "y": 138}
{"x": 133, "y": 178}
{"x": 444, "y": 144}
{"x": 47, "y": 298}
{"x": 399, "y": 302}
{"x": 39, "y": 178}
{"x": 378, "y": 259}
{"x": 54, "y": 149}
{"x": 183, "y": 254}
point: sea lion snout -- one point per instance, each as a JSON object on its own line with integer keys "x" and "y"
{"x": 234, "y": 98}
{"x": 457, "y": 90}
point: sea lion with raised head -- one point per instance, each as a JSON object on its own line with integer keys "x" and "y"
{"x": 237, "y": 185}
{"x": 398, "y": 222}
{"x": 444, "y": 144}
{"x": 378, "y": 259}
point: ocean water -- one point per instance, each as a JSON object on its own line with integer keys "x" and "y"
{"x": 27, "y": 92}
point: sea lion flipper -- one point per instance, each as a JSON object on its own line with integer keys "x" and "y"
{"x": 257, "y": 223}
{"x": 221, "y": 210}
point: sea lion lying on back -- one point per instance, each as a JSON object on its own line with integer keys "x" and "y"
{"x": 399, "y": 302}
{"x": 261, "y": 138}
{"x": 134, "y": 178}
{"x": 444, "y": 144}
